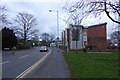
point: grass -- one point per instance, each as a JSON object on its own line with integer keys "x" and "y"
{"x": 92, "y": 65}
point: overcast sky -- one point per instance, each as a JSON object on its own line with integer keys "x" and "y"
{"x": 47, "y": 21}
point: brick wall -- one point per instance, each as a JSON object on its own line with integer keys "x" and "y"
{"x": 96, "y": 35}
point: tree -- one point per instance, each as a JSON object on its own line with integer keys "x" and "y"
{"x": 76, "y": 31}
{"x": 8, "y": 38}
{"x": 52, "y": 37}
{"x": 25, "y": 26}
{"x": 45, "y": 37}
{"x": 3, "y": 16}
{"x": 115, "y": 38}
{"x": 97, "y": 7}
{"x": 75, "y": 20}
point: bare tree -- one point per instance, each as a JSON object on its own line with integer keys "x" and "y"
{"x": 35, "y": 37}
{"x": 45, "y": 37}
{"x": 25, "y": 26}
{"x": 74, "y": 17}
{"x": 115, "y": 38}
{"x": 74, "y": 20}
{"x": 3, "y": 16}
{"x": 52, "y": 37}
{"x": 97, "y": 7}
{"x": 76, "y": 31}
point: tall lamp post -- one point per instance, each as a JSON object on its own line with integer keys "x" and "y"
{"x": 119, "y": 30}
{"x": 57, "y": 25}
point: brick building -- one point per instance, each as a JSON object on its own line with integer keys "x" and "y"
{"x": 66, "y": 37}
{"x": 96, "y": 36}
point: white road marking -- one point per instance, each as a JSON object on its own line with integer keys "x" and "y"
{"x": 5, "y": 62}
{"x": 32, "y": 67}
{"x": 24, "y": 56}
{"x": 17, "y": 53}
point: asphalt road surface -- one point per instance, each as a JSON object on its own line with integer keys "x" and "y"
{"x": 13, "y": 65}
{"x": 53, "y": 66}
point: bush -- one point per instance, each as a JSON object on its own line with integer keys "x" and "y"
{"x": 20, "y": 47}
{"x": 63, "y": 47}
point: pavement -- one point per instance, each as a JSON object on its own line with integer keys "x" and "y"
{"x": 53, "y": 67}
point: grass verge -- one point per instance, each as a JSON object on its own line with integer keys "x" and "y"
{"x": 92, "y": 65}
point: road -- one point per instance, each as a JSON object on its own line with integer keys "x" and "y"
{"x": 13, "y": 65}
{"x": 53, "y": 67}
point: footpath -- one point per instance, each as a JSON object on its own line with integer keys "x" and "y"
{"x": 53, "y": 67}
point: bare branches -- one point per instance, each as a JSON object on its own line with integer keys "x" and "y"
{"x": 75, "y": 17}
{"x": 96, "y": 7}
{"x": 25, "y": 24}
{"x": 115, "y": 37}
{"x": 105, "y": 5}
{"x": 3, "y": 16}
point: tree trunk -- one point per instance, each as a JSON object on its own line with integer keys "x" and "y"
{"x": 119, "y": 45}
{"x": 76, "y": 46}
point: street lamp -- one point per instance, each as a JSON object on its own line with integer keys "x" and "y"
{"x": 57, "y": 25}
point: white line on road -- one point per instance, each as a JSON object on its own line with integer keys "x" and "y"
{"x": 5, "y": 62}
{"x": 24, "y": 56}
{"x": 32, "y": 67}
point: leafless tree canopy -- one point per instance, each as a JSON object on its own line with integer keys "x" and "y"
{"x": 96, "y": 7}
{"x": 3, "y": 16}
{"x": 74, "y": 18}
{"x": 52, "y": 37}
{"x": 25, "y": 25}
{"x": 115, "y": 37}
{"x": 45, "y": 36}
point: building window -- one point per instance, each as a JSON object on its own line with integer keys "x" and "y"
{"x": 85, "y": 33}
{"x": 85, "y": 43}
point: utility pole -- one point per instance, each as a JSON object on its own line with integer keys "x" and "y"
{"x": 57, "y": 26}
{"x": 58, "y": 29}
{"x": 119, "y": 30}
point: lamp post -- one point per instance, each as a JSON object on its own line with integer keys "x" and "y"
{"x": 119, "y": 30}
{"x": 57, "y": 25}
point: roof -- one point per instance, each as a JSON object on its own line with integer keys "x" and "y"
{"x": 76, "y": 25}
{"x": 97, "y": 25}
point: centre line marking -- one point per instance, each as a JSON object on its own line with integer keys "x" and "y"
{"x": 5, "y": 62}
{"x": 24, "y": 56}
{"x": 32, "y": 67}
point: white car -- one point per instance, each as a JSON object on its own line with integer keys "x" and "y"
{"x": 43, "y": 49}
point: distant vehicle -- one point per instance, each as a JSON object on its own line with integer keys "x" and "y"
{"x": 43, "y": 49}
{"x": 53, "y": 45}
{"x": 6, "y": 49}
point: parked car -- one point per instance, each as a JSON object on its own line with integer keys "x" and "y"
{"x": 43, "y": 49}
